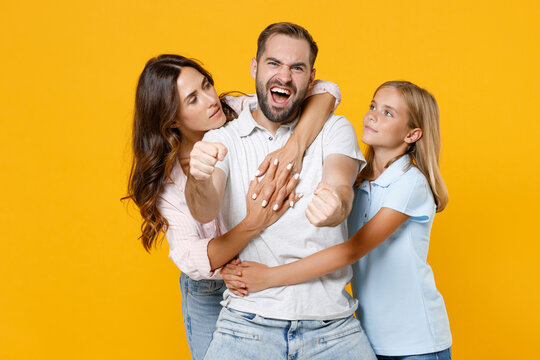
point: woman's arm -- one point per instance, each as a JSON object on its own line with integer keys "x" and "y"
{"x": 259, "y": 216}
{"x": 251, "y": 276}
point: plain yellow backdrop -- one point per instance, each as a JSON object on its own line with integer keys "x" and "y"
{"x": 74, "y": 281}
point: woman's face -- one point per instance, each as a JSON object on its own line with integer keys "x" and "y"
{"x": 200, "y": 108}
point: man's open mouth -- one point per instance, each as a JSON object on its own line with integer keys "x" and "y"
{"x": 280, "y": 95}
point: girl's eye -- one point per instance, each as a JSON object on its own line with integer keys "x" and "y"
{"x": 371, "y": 107}
{"x": 387, "y": 113}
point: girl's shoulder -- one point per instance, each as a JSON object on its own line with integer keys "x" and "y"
{"x": 413, "y": 175}
{"x": 411, "y": 195}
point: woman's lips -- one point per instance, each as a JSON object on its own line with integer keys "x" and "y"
{"x": 217, "y": 112}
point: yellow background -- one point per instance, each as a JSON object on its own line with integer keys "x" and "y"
{"x": 74, "y": 281}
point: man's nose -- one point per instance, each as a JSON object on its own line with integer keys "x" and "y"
{"x": 284, "y": 74}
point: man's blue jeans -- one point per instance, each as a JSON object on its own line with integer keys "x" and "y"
{"x": 241, "y": 335}
{"x": 200, "y": 310}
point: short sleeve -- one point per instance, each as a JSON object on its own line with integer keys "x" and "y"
{"x": 339, "y": 137}
{"x": 322, "y": 86}
{"x": 218, "y": 136}
{"x": 411, "y": 195}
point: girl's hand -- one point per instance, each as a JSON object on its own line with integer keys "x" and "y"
{"x": 289, "y": 161}
{"x": 230, "y": 273}
{"x": 247, "y": 276}
{"x": 266, "y": 209}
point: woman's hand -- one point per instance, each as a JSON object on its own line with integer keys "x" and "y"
{"x": 289, "y": 161}
{"x": 246, "y": 276}
{"x": 266, "y": 209}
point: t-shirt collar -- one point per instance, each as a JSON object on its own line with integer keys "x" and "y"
{"x": 393, "y": 172}
{"x": 248, "y": 123}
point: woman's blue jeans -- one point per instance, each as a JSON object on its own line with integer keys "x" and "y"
{"x": 200, "y": 310}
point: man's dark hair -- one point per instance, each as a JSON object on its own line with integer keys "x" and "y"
{"x": 289, "y": 29}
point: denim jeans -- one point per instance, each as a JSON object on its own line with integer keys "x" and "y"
{"x": 241, "y": 335}
{"x": 440, "y": 355}
{"x": 200, "y": 310}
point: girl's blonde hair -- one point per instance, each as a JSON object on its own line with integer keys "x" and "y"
{"x": 423, "y": 113}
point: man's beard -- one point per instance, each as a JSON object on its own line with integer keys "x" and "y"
{"x": 281, "y": 114}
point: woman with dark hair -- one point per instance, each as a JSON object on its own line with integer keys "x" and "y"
{"x": 175, "y": 104}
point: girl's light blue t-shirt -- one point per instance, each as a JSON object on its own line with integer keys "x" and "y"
{"x": 400, "y": 307}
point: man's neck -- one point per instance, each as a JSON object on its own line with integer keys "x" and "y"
{"x": 269, "y": 125}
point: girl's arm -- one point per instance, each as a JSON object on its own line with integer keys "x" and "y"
{"x": 250, "y": 276}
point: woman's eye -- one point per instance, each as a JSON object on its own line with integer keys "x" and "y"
{"x": 207, "y": 85}
{"x": 193, "y": 100}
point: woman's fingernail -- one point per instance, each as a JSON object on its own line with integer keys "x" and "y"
{"x": 300, "y": 195}
{"x": 257, "y": 173}
{"x": 254, "y": 196}
{"x": 291, "y": 204}
{"x": 276, "y": 162}
{"x": 275, "y": 207}
{"x": 264, "y": 203}
{"x": 297, "y": 176}
{"x": 289, "y": 167}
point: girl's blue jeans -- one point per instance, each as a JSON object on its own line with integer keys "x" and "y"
{"x": 439, "y": 355}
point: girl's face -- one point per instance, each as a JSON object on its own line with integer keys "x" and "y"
{"x": 200, "y": 108}
{"x": 386, "y": 122}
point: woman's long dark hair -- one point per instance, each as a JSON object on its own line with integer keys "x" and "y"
{"x": 156, "y": 142}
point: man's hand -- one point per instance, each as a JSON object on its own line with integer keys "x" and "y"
{"x": 326, "y": 208}
{"x": 203, "y": 159}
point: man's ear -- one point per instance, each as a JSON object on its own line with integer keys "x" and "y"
{"x": 253, "y": 68}
{"x": 413, "y": 136}
{"x": 312, "y": 77}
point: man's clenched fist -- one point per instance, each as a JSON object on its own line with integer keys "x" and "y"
{"x": 326, "y": 207}
{"x": 203, "y": 159}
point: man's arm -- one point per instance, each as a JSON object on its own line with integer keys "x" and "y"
{"x": 334, "y": 195}
{"x": 205, "y": 184}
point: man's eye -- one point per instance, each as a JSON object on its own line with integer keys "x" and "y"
{"x": 297, "y": 68}
{"x": 272, "y": 63}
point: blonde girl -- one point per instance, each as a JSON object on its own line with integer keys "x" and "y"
{"x": 396, "y": 197}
